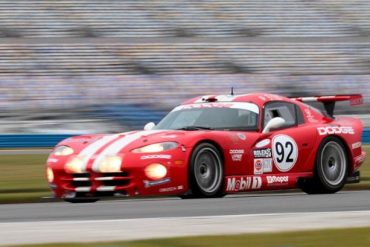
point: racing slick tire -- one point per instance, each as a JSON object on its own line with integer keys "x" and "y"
{"x": 205, "y": 172}
{"x": 331, "y": 168}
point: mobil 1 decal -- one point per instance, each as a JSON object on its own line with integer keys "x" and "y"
{"x": 284, "y": 152}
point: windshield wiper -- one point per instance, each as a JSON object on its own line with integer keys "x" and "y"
{"x": 195, "y": 128}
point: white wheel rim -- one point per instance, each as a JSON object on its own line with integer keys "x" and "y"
{"x": 208, "y": 170}
{"x": 333, "y": 163}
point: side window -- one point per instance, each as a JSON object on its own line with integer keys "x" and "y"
{"x": 285, "y": 110}
{"x": 300, "y": 118}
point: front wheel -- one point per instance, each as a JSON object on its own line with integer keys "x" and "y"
{"x": 331, "y": 168}
{"x": 206, "y": 172}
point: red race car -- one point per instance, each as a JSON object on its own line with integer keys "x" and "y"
{"x": 214, "y": 145}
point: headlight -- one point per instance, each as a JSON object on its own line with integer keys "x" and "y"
{"x": 155, "y": 171}
{"x": 49, "y": 174}
{"x": 110, "y": 164}
{"x": 63, "y": 151}
{"x": 156, "y": 147}
{"x": 74, "y": 165}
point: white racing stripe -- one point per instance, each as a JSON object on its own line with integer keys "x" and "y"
{"x": 226, "y": 98}
{"x": 118, "y": 145}
{"x": 235, "y": 105}
{"x": 91, "y": 149}
{"x": 246, "y": 106}
{"x": 147, "y": 228}
{"x": 309, "y": 99}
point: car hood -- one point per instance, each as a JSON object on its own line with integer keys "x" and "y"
{"x": 113, "y": 144}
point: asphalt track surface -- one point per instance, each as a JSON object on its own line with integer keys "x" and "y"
{"x": 132, "y": 219}
{"x": 261, "y": 203}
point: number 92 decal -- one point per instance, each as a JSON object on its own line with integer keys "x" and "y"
{"x": 284, "y": 152}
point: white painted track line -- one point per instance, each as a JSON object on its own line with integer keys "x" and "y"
{"x": 145, "y": 228}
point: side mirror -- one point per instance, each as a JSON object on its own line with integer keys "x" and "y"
{"x": 274, "y": 123}
{"x": 149, "y": 126}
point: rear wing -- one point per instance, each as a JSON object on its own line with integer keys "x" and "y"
{"x": 329, "y": 101}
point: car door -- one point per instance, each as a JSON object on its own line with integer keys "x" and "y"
{"x": 287, "y": 149}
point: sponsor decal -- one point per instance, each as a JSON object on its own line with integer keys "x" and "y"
{"x": 284, "y": 152}
{"x": 171, "y": 189}
{"x": 262, "y": 153}
{"x": 235, "y": 184}
{"x": 356, "y": 145}
{"x": 236, "y": 105}
{"x": 263, "y": 143}
{"x": 357, "y": 101}
{"x": 262, "y": 98}
{"x": 310, "y": 117}
{"x": 52, "y": 160}
{"x": 236, "y": 154}
{"x": 258, "y": 166}
{"x": 262, "y": 165}
{"x": 242, "y": 136}
{"x": 148, "y": 184}
{"x": 267, "y": 165}
{"x": 360, "y": 159}
{"x": 335, "y": 130}
{"x": 267, "y": 96}
{"x": 273, "y": 180}
{"x": 156, "y": 156}
{"x": 204, "y": 105}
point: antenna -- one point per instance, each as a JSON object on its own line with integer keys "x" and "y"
{"x": 232, "y": 91}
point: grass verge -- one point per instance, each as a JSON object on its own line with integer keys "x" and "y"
{"x": 358, "y": 237}
{"x": 22, "y": 177}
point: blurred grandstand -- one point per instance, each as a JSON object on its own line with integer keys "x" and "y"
{"x": 80, "y": 66}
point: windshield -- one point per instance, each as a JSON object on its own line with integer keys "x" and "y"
{"x": 218, "y": 116}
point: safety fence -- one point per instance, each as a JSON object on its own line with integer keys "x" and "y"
{"x": 50, "y": 140}
{"x": 366, "y": 136}
{"x": 30, "y": 140}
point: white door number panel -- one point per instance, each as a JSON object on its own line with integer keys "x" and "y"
{"x": 284, "y": 152}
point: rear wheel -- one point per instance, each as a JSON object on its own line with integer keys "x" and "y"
{"x": 331, "y": 168}
{"x": 205, "y": 172}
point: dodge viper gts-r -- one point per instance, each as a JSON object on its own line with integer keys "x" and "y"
{"x": 214, "y": 145}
